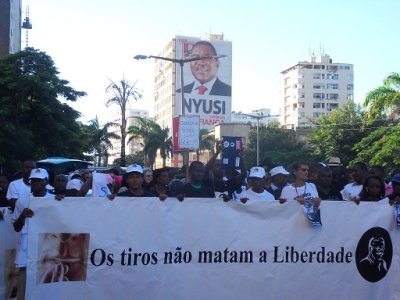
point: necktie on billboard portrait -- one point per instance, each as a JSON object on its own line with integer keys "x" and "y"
{"x": 397, "y": 214}
{"x": 202, "y": 89}
{"x": 312, "y": 213}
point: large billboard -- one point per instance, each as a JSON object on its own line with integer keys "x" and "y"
{"x": 207, "y": 82}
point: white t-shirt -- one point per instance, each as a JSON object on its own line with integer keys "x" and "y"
{"x": 308, "y": 191}
{"x": 253, "y": 196}
{"x": 22, "y": 241}
{"x": 351, "y": 190}
{"x": 18, "y": 189}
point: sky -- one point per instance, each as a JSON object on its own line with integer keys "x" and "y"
{"x": 92, "y": 42}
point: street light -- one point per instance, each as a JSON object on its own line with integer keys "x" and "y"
{"x": 258, "y": 117}
{"x": 181, "y": 62}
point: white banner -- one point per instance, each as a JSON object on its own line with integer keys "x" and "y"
{"x": 143, "y": 248}
{"x": 8, "y": 271}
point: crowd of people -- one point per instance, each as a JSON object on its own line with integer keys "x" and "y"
{"x": 308, "y": 184}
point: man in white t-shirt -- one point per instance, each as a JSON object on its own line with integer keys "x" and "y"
{"x": 256, "y": 192}
{"x": 21, "y": 187}
{"x": 352, "y": 191}
{"x": 38, "y": 179}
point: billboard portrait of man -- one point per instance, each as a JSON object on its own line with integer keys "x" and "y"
{"x": 205, "y": 72}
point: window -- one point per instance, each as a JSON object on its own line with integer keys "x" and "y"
{"x": 332, "y": 106}
{"x": 302, "y": 95}
{"x": 318, "y": 96}
{"x": 317, "y": 75}
{"x": 332, "y": 96}
{"x": 350, "y": 77}
{"x": 301, "y": 75}
{"x": 318, "y": 86}
{"x": 316, "y": 105}
{"x": 333, "y": 86}
{"x": 318, "y": 114}
{"x": 349, "y": 96}
{"x": 350, "y": 87}
{"x": 302, "y": 114}
{"x": 333, "y": 68}
{"x": 301, "y": 104}
{"x": 332, "y": 76}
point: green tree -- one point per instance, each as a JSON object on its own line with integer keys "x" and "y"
{"x": 336, "y": 134}
{"x": 121, "y": 94}
{"x": 278, "y": 146}
{"x": 99, "y": 140}
{"x": 153, "y": 138}
{"x": 385, "y": 100}
{"x": 135, "y": 158}
{"x": 380, "y": 147}
{"x": 34, "y": 122}
{"x": 206, "y": 142}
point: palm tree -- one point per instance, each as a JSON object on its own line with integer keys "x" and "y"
{"x": 385, "y": 99}
{"x": 153, "y": 137}
{"x": 121, "y": 94}
{"x": 99, "y": 139}
{"x": 206, "y": 142}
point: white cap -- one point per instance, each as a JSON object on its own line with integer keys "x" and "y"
{"x": 258, "y": 172}
{"x": 134, "y": 168}
{"x": 39, "y": 173}
{"x": 74, "y": 184}
{"x": 278, "y": 170}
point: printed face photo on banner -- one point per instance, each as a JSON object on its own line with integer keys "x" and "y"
{"x": 63, "y": 257}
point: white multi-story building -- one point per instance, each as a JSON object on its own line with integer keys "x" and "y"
{"x": 10, "y": 27}
{"x": 314, "y": 88}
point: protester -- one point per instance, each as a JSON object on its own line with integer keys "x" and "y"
{"x": 338, "y": 178}
{"x": 301, "y": 190}
{"x": 352, "y": 190}
{"x": 223, "y": 182}
{"x": 373, "y": 189}
{"x": 279, "y": 179}
{"x": 394, "y": 198}
{"x": 326, "y": 190}
{"x": 380, "y": 172}
{"x": 74, "y": 184}
{"x": 148, "y": 183}
{"x": 161, "y": 180}
{"x": 60, "y": 185}
{"x": 195, "y": 187}
{"x": 21, "y": 187}
{"x": 38, "y": 180}
{"x": 134, "y": 181}
{"x": 256, "y": 192}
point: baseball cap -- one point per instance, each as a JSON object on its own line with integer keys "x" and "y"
{"x": 134, "y": 168}
{"x": 257, "y": 172}
{"x": 39, "y": 173}
{"x": 396, "y": 178}
{"x": 278, "y": 170}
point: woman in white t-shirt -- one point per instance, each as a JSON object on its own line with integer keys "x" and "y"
{"x": 301, "y": 190}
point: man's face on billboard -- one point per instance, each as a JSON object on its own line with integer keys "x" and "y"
{"x": 204, "y": 70}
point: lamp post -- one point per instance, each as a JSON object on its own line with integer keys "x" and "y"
{"x": 181, "y": 62}
{"x": 258, "y": 118}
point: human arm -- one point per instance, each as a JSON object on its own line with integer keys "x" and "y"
{"x": 210, "y": 163}
{"x": 20, "y": 221}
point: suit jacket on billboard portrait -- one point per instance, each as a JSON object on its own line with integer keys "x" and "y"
{"x": 219, "y": 88}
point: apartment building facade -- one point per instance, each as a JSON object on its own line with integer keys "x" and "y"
{"x": 314, "y": 88}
